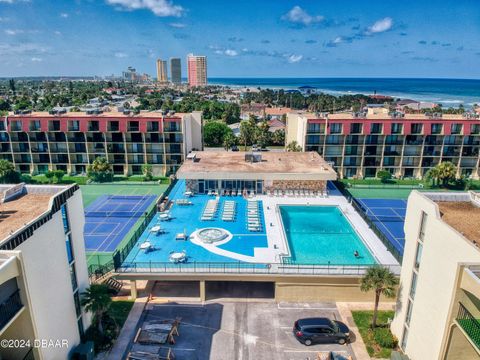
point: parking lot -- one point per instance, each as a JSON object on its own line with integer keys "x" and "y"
{"x": 242, "y": 330}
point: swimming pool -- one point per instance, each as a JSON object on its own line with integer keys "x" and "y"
{"x": 322, "y": 235}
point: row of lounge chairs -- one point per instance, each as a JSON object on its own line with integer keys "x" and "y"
{"x": 254, "y": 223}
{"x": 183, "y": 202}
{"x": 210, "y": 210}
{"x": 224, "y": 192}
{"x": 229, "y": 210}
{"x": 296, "y": 193}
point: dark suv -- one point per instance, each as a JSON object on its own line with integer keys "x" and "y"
{"x": 321, "y": 330}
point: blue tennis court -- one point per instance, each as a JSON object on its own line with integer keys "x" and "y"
{"x": 110, "y": 217}
{"x": 389, "y": 217}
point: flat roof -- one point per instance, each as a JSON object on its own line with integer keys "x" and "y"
{"x": 351, "y": 116}
{"x": 20, "y": 211}
{"x": 463, "y": 216}
{"x": 116, "y": 114}
{"x": 273, "y": 166}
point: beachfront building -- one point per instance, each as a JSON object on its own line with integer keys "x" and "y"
{"x": 175, "y": 71}
{"x": 197, "y": 70}
{"x": 40, "y": 141}
{"x": 255, "y": 173}
{"x": 43, "y": 270}
{"x": 273, "y": 222}
{"x": 438, "y": 304}
{"x": 407, "y": 145}
{"x": 162, "y": 76}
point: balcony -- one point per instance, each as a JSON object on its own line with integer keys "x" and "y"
{"x": 469, "y": 324}
{"x": 9, "y": 308}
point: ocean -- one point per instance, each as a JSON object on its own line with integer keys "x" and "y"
{"x": 448, "y": 92}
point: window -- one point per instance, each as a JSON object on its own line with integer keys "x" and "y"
{"x": 423, "y": 223}
{"x": 356, "y": 128}
{"x": 114, "y": 126}
{"x": 376, "y": 128}
{"x": 68, "y": 244}
{"x": 457, "y": 128}
{"x": 437, "y": 128}
{"x": 413, "y": 287}
{"x": 78, "y": 307}
{"x": 335, "y": 128}
{"x": 74, "y": 125}
{"x": 417, "y": 128}
{"x": 66, "y": 224}
{"x": 418, "y": 256}
{"x": 475, "y": 129}
{"x": 404, "y": 338}
{"x": 397, "y": 128}
{"x": 73, "y": 277}
{"x": 409, "y": 312}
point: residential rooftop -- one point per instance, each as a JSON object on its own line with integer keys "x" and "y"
{"x": 25, "y": 207}
{"x": 281, "y": 165}
{"x": 464, "y": 216}
{"x": 106, "y": 114}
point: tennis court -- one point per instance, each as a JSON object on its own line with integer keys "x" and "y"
{"x": 91, "y": 192}
{"x": 110, "y": 217}
{"x": 389, "y": 217}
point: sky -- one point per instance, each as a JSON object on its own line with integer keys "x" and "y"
{"x": 243, "y": 38}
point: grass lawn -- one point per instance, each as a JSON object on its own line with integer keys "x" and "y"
{"x": 119, "y": 310}
{"x": 91, "y": 192}
{"x": 363, "y": 320}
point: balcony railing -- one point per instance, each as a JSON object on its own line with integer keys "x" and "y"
{"x": 9, "y": 308}
{"x": 245, "y": 268}
{"x": 469, "y": 324}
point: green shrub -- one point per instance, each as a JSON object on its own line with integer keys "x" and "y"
{"x": 384, "y": 338}
{"x": 384, "y": 176}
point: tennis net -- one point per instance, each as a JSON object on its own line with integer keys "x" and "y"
{"x": 126, "y": 214}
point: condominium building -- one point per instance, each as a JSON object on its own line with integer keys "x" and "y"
{"x": 438, "y": 303}
{"x": 38, "y": 142}
{"x": 43, "y": 271}
{"x": 197, "y": 70}
{"x": 175, "y": 70}
{"x": 407, "y": 145}
{"x": 162, "y": 76}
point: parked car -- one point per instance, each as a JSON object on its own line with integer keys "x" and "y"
{"x": 321, "y": 330}
{"x": 255, "y": 147}
{"x": 234, "y": 148}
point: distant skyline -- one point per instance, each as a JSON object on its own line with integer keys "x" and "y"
{"x": 242, "y": 38}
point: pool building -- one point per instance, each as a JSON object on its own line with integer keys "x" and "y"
{"x": 273, "y": 217}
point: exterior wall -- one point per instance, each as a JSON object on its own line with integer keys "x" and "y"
{"x": 443, "y": 249}
{"x": 162, "y": 71}
{"x": 136, "y": 141}
{"x": 197, "y": 70}
{"x": 175, "y": 70}
{"x": 45, "y": 285}
{"x": 404, "y": 154}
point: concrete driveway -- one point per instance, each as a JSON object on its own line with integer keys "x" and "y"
{"x": 242, "y": 330}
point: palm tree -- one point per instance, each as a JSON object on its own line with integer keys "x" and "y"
{"x": 229, "y": 140}
{"x": 432, "y": 174}
{"x": 381, "y": 280}
{"x": 96, "y": 299}
{"x": 100, "y": 170}
{"x": 447, "y": 172}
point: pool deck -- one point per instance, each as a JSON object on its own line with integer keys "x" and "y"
{"x": 277, "y": 242}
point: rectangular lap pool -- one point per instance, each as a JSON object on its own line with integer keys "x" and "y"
{"x": 322, "y": 235}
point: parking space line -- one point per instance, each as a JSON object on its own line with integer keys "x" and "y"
{"x": 304, "y": 308}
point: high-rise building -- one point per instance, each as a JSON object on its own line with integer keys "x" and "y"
{"x": 175, "y": 70}
{"x": 162, "y": 76}
{"x": 197, "y": 70}
{"x": 43, "y": 271}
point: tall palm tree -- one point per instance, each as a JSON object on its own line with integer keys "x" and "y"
{"x": 96, "y": 299}
{"x": 383, "y": 282}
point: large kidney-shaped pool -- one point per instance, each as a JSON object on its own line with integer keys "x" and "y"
{"x": 322, "y": 235}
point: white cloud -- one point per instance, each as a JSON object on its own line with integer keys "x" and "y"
{"x": 299, "y": 16}
{"x": 177, "y": 25}
{"x": 64, "y": 15}
{"x": 380, "y": 26}
{"x": 120, "y": 55}
{"x": 13, "y": 1}
{"x": 36, "y": 59}
{"x": 294, "y": 58}
{"x": 57, "y": 32}
{"x": 158, "y": 7}
{"x": 13, "y": 32}
{"x": 230, "y": 52}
